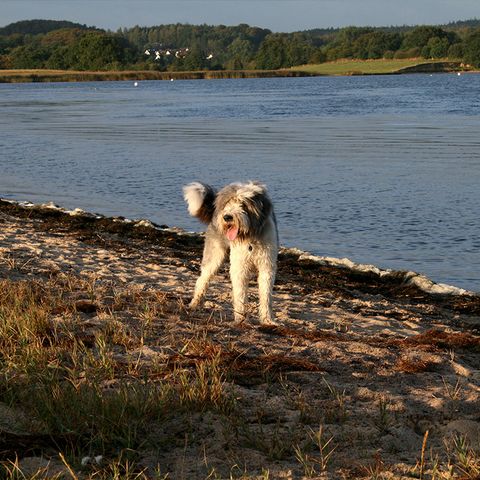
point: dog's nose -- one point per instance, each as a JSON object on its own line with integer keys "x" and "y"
{"x": 228, "y": 218}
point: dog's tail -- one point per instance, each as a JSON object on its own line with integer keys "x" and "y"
{"x": 200, "y": 199}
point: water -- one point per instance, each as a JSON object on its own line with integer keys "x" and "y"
{"x": 380, "y": 169}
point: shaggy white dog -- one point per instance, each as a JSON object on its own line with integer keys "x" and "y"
{"x": 240, "y": 218}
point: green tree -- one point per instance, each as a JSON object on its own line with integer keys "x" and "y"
{"x": 472, "y": 49}
{"x": 62, "y": 38}
{"x": 29, "y": 56}
{"x": 34, "y": 27}
{"x": 11, "y": 41}
{"x": 298, "y": 52}
{"x": 6, "y": 62}
{"x": 381, "y": 42}
{"x": 97, "y": 51}
{"x": 410, "y": 53}
{"x": 420, "y": 36}
{"x": 347, "y": 36}
{"x": 239, "y": 53}
{"x": 318, "y": 56}
{"x": 61, "y": 58}
{"x": 456, "y": 51}
{"x": 436, "y": 48}
{"x": 272, "y": 53}
{"x": 195, "y": 59}
{"x": 343, "y": 43}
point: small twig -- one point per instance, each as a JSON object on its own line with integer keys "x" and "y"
{"x": 422, "y": 456}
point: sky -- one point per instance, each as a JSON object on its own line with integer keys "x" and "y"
{"x": 276, "y": 15}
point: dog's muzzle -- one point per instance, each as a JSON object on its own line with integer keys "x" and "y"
{"x": 231, "y": 230}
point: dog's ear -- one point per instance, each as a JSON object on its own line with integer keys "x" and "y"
{"x": 257, "y": 203}
{"x": 200, "y": 199}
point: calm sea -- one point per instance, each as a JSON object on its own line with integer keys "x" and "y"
{"x": 379, "y": 169}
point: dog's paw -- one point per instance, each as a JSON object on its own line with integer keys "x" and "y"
{"x": 194, "y": 304}
{"x": 239, "y": 319}
{"x": 269, "y": 322}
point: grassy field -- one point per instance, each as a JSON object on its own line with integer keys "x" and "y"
{"x": 365, "y": 67}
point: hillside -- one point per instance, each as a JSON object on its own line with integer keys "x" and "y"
{"x": 35, "y": 27}
{"x": 53, "y": 45}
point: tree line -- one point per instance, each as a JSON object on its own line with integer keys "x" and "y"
{"x": 180, "y": 47}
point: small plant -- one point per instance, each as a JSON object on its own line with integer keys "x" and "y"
{"x": 104, "y": 358}
{"x": 309, "y": 412}
{"x": 306, "y": 461}
{"x": 375, "y": 470}
{"x": 454, "y": 395}
{"x": 205, "y": 387}
{"x": 422, "y": 456}
{"x": 338, "y": 411}
{"x": 384, "y": 420}
{"x": 11, "y": 470}
{"x": 237, "y": 473}
{"x": 453, "y": 392}
{"x": 436, "y": 467}
{"x": 321, "y": 456}
{"x": 325, "y": 447}
{"x": 276, "y": 444}
{"x": 467, "y": 460}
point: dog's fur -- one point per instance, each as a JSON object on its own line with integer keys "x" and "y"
{"x": 240, "y": 218}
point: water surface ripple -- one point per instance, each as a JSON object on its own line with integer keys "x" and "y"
{"x": 380, "y": 169}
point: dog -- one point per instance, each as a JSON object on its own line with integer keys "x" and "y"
{"x": 241, "y": 220}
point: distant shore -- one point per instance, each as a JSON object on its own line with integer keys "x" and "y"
{"x": 340, "y": 68}
{"x": 20, "y": 76}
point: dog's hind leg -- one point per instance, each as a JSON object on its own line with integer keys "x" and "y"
{"x": 266, "y": 279}
{"x": 213, "y": 257}
{"x": 239, "y": 275}
{"x": 266, "y": 264}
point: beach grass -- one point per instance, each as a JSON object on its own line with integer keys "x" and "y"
{"x": 82, "y": 388}
{"x": 44, "y": 75}
{"x": 83, "y": 393}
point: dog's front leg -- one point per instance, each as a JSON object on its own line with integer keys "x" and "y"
{"x": 213, "y": 257}
{"x": 239, "y": 276}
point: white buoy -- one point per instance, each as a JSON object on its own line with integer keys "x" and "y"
{"x": 135, "y": 84}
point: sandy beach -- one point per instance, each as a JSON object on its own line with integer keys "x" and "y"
{"x": 386, "y": 370}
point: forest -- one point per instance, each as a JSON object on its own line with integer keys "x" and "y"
{"x": 51, "y": 44}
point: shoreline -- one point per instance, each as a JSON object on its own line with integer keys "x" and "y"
{"x": 42, "y": 75}
{"x": 94, "y": 305}
{"x": 404, "y": 278}
{"x": 141, "y": 75}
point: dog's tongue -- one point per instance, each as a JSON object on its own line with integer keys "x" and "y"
{"x": 232, "y": 233}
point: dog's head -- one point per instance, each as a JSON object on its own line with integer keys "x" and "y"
{"x": 241, "y": 210}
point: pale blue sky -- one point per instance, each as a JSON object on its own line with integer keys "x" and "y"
{"x": 277, "y": 15}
